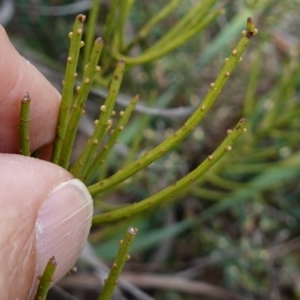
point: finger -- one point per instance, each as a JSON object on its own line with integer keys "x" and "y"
{"x": 44, "y": 213}
{"x": 17, "y": 77}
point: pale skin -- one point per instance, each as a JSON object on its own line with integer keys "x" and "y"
{"x": 43, "y": 211}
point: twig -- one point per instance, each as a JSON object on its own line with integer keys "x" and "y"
{"x": 68, "y": 86}
{"x": 77, "y": 110}
{"x": 190, "y": 124}
{"x": 86, "y": 159}
{"x": 172, "y": 190}
{"x": 89, "y": 257}
{"x": 106, "y": 149}
{"x": 118, "y": 264}
{"x": 24, "y": 126}
{"x": 46, "y": 279}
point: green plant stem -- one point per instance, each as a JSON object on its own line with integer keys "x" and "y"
{"x": 86, "y": 159}
{"x": 46, "y": 279}
{"x": 126, "y": 7}
{"x": 283, "y": 120}
{"x": 157, "y": 52}
{"x": 191, "y": 123}
{"x": 280, "y": 95}
{"x": 245, "y": 168}
{"x": 140, "y": 127}
{"x": 174, "y": 189}
{"x": 120, "y": 20}
{"x": 253, "y": 83}
{"x": 68, "y": 85}
{"x": 104, "y": 206}
{"x": 208, "y": 194}
{"x": 162, "y": 14}
{"x": 90, "y": 71}
{"x": 137, "y": 139}
{"x": 125, "y": 10}
{"x": 118, "y": 264}
{"x": 110, "y": 23}
{"x": 225, "y": 184}
{"x": 90, "y": 30}
{"x": 24, "y": 126}
{"x": 108, "y": 35}
{"x": 254, "y": 154}
{"x": 185, "y": 24}
{"x": 113, "y": 138}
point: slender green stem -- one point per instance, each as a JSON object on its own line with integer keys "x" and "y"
{"x": 195, "y": 16}
{"x": 110, "y": 21}
{"x": 171, "y": 191}
{"x": 137, "y": 139}
{"x": 283, "y": 92}
{"x": 104, "y": 206}
{"x": 126, "y": 7}
{"x": 120, "y": 20}
{"x": 124, "y": 117}
{"x": 108, "y": 35}
{"x": 86, "y": 159}
{"x": 24, "y": 126}
{"x": 225, "y": 184}
{"x": 208, "y": 194}
{"x": 162, "y": 14}
{"x": 191, "y": 123}
{"x": 118, "y": 264}
{"x": 253, "y": 83}
{"x": 68, "y": 85}
{"x": 239, "y": 169}
{"x": 90, "y": 30}
{"x": 46, "y": 279}
{"x": 156, "y": 52}
{"x": 90, "y": 71}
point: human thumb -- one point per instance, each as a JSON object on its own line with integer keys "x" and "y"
{"x": 44, "y": 213}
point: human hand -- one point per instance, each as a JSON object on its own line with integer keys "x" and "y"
{"x": 44, "y": 212}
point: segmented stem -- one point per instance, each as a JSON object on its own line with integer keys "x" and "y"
{"x": 46, "y": 279}
{"x": 86, "y": 159}
{"x": 118, "y": 264}
{"x": 172, "y": 190}
{"x": 184, "y": 25}
{"x": 90, "y": 71}
{"x": 68, "y": 85}
{"x": 162, "y": 14}
{"x": 191, "y": 123}
{"x": 24, "y": 126}
{"x": 124, "y": 117}
{"x": 90, "y": 30}
{"x": 174, "y": 41}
